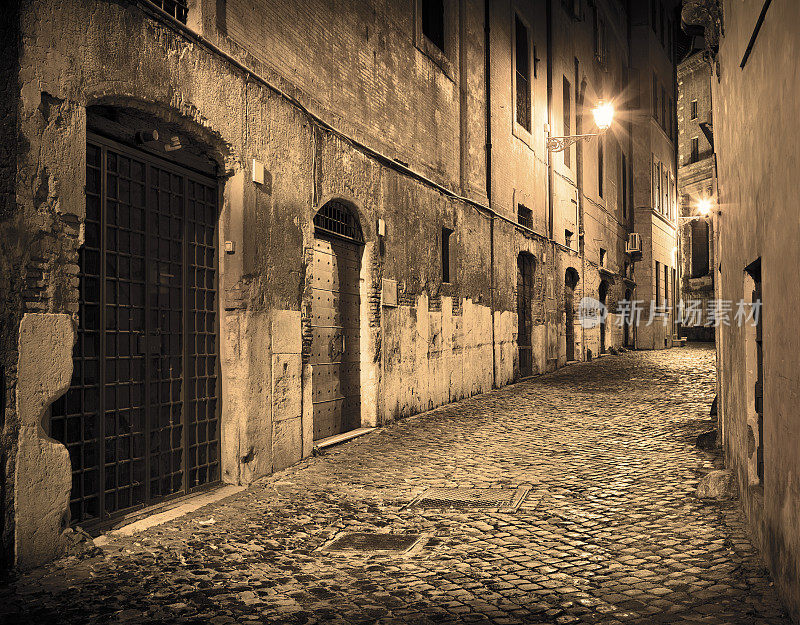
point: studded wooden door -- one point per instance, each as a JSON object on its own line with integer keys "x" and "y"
{"x": 336, "y": 326}
{"x": 140, "y": 419}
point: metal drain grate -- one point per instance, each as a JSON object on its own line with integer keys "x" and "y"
{"x": 498, "y": 499}
{"x": 365, "y": 541}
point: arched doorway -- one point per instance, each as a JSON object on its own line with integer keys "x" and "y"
{"x": 336, "y": 320}
{"x": 603, "y": 293}
{"x": 570, "y": 282}
{"x": 627, "y": 321}
{"x": 141, "y": 417}
{"x": 526, "y": 265}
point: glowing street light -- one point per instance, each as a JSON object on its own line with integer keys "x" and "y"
{"x": 703, "y": 207}
{"x": 603, "y": 114}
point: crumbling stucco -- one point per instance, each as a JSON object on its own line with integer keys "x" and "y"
{"x": 43, "y": 480}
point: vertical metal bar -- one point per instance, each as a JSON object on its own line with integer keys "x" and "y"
{"x": 186, "y": 334}
{"x": 101, "y": 355}
{"x": 145, "y": 329}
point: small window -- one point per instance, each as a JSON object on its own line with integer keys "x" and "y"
{"x": 568, "y": 238}
{"x": 446, "y": 258}
{"x": 695, "y": 155}
{"x": 624, "y": 185}
{"x": 574, "y": 8}
{"x": 524, "y": 216}
{"x": 567, "y": 106}
{"x": 602, "y": 257}
{"x": 176, "y": 8}
{"x": 522, "y": 73}
{"x": 664, "y": 109}
{"x": 654, "y": 15}
{"x": 600, "y": 168}
{"x": 658, "y": 282}
{"x": 693, "y": 109}
{"x": 433, "y": 22}
{"x": 655, "y": 95}
{"x": 599, "y": 36}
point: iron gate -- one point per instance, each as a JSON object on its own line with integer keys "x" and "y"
{"x": 141, "y": 417}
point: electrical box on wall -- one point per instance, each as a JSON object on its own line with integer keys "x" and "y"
{"x": 258, "y": 172}
{"x": 389, "y": 293}
{"x": 381, "y": 228}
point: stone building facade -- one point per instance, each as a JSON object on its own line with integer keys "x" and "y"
{"x": 653, "y": 56}
{"x": 695, "y": 185}
{"x": 755, "y": 236}
{"x": 234, "y": 229}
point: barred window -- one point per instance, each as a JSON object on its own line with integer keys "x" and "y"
{"x": 337, "y": 218}
{"x": 178, "y": 9}
{"x": 524, "y": 216}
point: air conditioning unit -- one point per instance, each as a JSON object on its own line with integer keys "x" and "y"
{"x": 634, "y": 244}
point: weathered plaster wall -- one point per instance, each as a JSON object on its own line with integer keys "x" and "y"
{"x": 757, "y": 189}
{"x": 43, "y": 481}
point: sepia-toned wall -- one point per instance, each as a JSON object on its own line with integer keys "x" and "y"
{"x": 348, "y": 103}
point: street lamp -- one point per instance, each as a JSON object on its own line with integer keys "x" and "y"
{"x": 603, "y": 114}
{"x": 703, "y": 207}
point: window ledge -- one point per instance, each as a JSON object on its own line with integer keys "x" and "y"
{"x": 439, "y": 58}
{"x": 521, "y": 133}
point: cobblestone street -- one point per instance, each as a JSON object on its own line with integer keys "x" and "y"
{"x": 611, "y": 532}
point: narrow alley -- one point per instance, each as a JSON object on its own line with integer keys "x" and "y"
{"x": 611, "y": 530}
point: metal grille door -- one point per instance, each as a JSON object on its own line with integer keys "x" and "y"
{"x": 140, "y": 418}
{"x": 335, "y": 347}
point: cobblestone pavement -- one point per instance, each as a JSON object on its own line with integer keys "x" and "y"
{"x": 611, "y": 533}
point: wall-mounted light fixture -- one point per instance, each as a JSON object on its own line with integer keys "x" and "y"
{"x": 703, "y": 209}
{"x": 603, "y": 114}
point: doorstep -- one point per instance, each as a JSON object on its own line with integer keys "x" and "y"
{"x": 184, "y": 505}
{"x": 341, "y": 438}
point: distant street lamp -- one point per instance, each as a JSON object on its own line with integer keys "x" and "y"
{"x": 703, "y": 206}
{"x": 603, "y": 114}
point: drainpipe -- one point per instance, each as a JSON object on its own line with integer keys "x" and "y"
{"x": 552, "y": 247}
{"x": 549, "y": 17}
{"x": 487, "y": 67}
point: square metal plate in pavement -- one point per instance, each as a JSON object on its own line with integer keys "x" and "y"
{"x": 365, "y": 541}
{"x": 500, "y": 499}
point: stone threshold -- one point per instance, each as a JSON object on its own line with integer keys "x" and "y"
{"x": 183, "y": 506}
{"x": 342, "y": 438}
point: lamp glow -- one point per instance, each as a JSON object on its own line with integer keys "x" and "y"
{"x": 704, "y": 207}
{"x": 603, "y": 115}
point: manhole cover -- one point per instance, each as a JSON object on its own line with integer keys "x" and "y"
{"x": 500, "y": 499}
{"x": 364, "y": 541}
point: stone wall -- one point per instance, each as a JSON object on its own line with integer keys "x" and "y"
{"x": 755, "y": 136}
{"x": 373, "y": 117}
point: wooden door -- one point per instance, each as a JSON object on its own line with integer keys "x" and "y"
{"x": 335, "y": 347}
